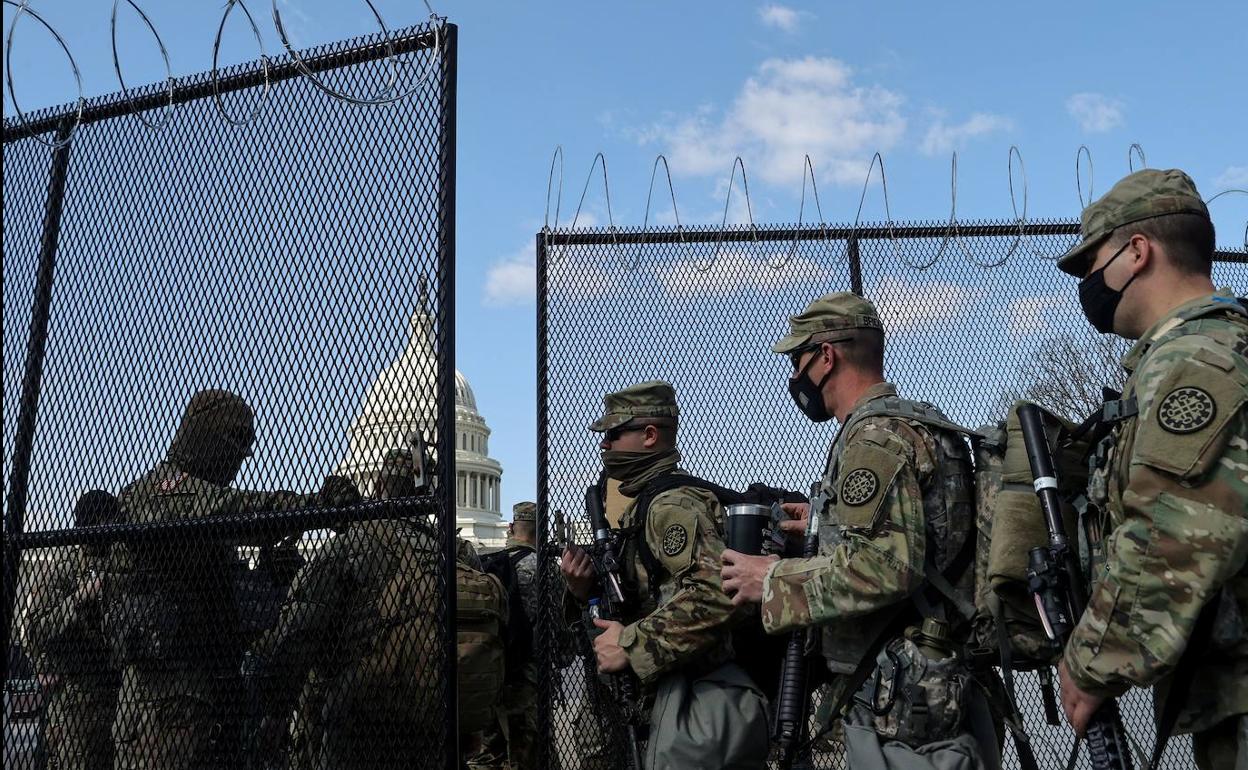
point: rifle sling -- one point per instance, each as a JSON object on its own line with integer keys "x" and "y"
{"x": 1181, "y": 689}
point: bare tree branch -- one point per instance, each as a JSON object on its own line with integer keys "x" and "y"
{"x": 1067, "y": 375}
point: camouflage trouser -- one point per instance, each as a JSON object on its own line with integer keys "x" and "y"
{"x": 1225, "y": 745}
{"x": 512, "y": 741}
{"x": 172, "y": 720}
{"x": 77, "y": 726}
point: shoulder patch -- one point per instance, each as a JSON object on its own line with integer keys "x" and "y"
{"x": 1187, "y": 426}
{"x": 171, "y": 483}
{"x": 675, "y": 540}
{"x": 1186, "y": 409}
{"x": 859, "y": 486}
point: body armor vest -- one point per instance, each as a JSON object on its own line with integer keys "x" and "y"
{"x": 948, "y": 505}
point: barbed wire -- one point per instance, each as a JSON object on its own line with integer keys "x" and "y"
{"x": 808, "y": 170}
{"x": 22, "y": 8}
{"x": 396, "y": 88}
{"x": 264, "y": 63}
{"x": 723, "y": 225}
{"x": 952, "y": 234}
{"x": 164, "y": 54}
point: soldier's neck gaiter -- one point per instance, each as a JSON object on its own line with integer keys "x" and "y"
{"x": 634, "y": 469}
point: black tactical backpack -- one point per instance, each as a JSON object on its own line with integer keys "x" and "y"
{"x": 518, "y": 635}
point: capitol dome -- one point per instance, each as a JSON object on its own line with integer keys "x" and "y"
{"x": 401, "y": 403}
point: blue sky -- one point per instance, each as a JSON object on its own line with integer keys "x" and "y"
{"x": 705, "y": 81}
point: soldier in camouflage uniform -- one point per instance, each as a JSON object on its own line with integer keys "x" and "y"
{"x": 64, "y": 635}
{"x": 512, "y": 743}
{"x": 322, "y": 658}
{"x": 896, "y": 503}
{"x": 707, "y": 713}
{"x": 1170, "y": 481}
{"x": 172, "y": 616}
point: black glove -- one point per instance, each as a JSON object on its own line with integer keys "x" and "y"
{"x": 338, "y": 492}
{"x": 281, "y": 560}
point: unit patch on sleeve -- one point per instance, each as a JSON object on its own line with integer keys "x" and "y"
{"x": 1186, "y": 410}
{"x": 675, "y": 538}
{"x": 859, "y": 486}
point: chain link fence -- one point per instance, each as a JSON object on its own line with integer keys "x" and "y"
{"x": 976, "y": 315}
{"x": 295, "y": 250}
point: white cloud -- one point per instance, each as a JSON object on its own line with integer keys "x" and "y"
{"x": 788, "y": 108}
{"x": 733, "y": 272}
{"x": 512, "y": 280}
{"x": 1095, "y": 113}
{"x": 906, "y": 306}
{"x": 1030, "y": 315}
{"x": 575, "y": 278}
{"x": 780, "y": 17}
{"x": 942, "y": 138}
{"x": 1233, "y": 176}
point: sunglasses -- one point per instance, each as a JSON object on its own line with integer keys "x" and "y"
{"x": 615, "y": 433}
{"x": 795, "y": 357}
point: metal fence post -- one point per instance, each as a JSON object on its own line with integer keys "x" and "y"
{"x": 446, "y": 385}
{"x": 855, "y": 265}
{"x": 546, "y": 633}
{"x": 32, "y": 378}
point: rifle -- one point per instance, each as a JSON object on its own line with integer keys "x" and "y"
{"x": 1054, "y": 579}
{"x": 793, "y": 700}
{"x": 610, "y": 601}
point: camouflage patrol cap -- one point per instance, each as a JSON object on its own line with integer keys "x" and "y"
{"x": 1143, "y": 195}
{"x": 525, "y": 511}
{"x": 397, "y": 462}
{"x": 654, "y": 401}
{"x": 831, "y": 318}
{"x": 214, "y": 436}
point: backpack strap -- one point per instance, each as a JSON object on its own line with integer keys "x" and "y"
{"x": 919, "y": 411}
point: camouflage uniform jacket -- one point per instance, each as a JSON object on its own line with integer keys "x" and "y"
{"x": 526, "y": 578}
{"x": 688, "y": 627}
{"x": 1175, "y": 486}
{"x": 333, "y": 611}
{"x": 889, "y": 481}
{"x": 63, "y": 630}
{"x": 192, "y": 577}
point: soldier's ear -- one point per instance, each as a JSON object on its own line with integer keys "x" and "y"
{"x": 1142, "y": 253}
{"x": 828, "y": 351}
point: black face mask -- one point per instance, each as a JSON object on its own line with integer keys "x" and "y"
{"x": 807, "y": 395}
{"x": 1099, "y": 302}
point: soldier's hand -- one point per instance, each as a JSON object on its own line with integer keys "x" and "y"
{"x": 743, "y": 575}
{"x": 338, "y": 492}
{"x": 578, "y": 571}
{"x": 798, "y": 514}
{"x": 1078, "y": 704}
{"x": 612, "y": 658}
{"x": 90, "y": 588}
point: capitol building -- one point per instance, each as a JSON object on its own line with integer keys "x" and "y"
{"x": 401, "y": 403}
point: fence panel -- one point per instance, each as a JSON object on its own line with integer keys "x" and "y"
{"x": 305, "y": 262}
{"x": 974, "y": 317}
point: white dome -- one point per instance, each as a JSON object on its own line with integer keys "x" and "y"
{"x": 464, "y": 398}
{"x": 402, "y": 402}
